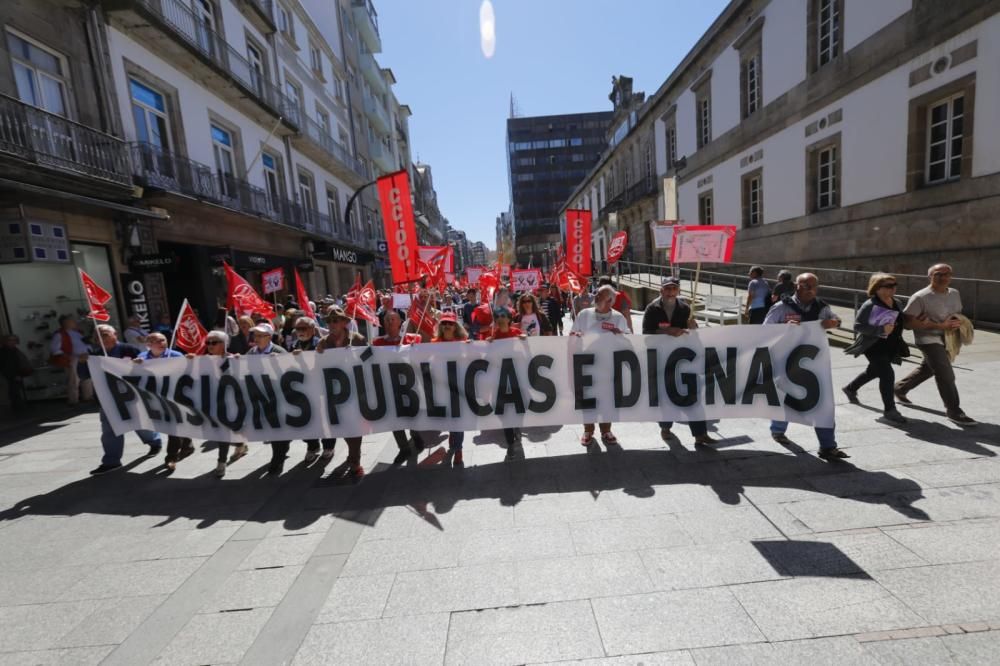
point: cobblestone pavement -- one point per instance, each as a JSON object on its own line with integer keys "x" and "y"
{"x": 654, "y": 553}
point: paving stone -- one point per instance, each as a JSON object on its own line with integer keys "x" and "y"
{"x": 707, "y": 566}
{"x": 909, "y": 651}
{"x": 816, "y": 607}
{"x": 946, "y": 504}
{"x": 82, "y": 656}
{"x": 214, "y": 638}
{"x": 839, "y": 554}
{"x": 980, "y": 648}
{"x": 417, "y": 639}
{"x": 134, "y": 579}
{"x": 665, "y": 499}
{"x": 664, "y": 621}
{"x": 723, "y": 525}
{"x": 943, "y": 544}
{"x": 282, "y": 551}
{"x": 948, "y": 593}
{"x": 454, "y": 589}
{"x": 519, "y": 543}
{"x": 521, "y": 634}
{"x": 565, "y": 508}
{"x": 956, "y": 473}
{"x": 429, "y": 518}
{"x": 675, "y": 658}
{"x": 40, "y": 626}
{"x": 112, "y": 621}
{"x": 356, "y": 598}
{"x": 581, "y": 577}
{"x": 410, "y": 554}
{"x": 254, "y": 588}
{"x": 37, "y": 587}
{"x": 618, "y": 534}
{"x": 864, "y": 482}
{"x": 831, "y": 515}
{"x": 816, "y": 652}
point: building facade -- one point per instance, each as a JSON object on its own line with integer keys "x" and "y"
{"x": 506, "y": 239}
{"x": 460, "y": 244}
{"x": 478, "y": 254}
{"x": 432, "y": 227}
{"x": 548, "y": 156}
{"x": 834, "y": 133}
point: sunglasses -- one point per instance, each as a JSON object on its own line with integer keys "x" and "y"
{"x": 447, "y": 323}
{"x": 888, "y": 285}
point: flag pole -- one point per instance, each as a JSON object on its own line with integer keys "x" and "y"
{"x": 173, "y": 335}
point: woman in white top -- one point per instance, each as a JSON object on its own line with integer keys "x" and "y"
{"x": 530, "y": 317}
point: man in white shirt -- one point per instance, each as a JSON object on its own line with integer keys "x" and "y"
{"x": 603, "y": 319}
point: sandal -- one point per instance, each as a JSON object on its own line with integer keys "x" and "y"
{"x": 587, "y": 440}
{"x": 608, "y": 438}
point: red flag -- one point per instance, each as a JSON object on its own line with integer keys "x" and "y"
{"x": 433, "y": 268}
{"x": 96, "y": 298}
{"x": 302, "y": 297}
{"x": 368, "y": 295}
{"x": 617, "y": 247}
{"x": 361, "y": 302}
{"x": 242, "y": 298}
{"x": 578, "y": 241}
{"x": 488, "y": 283}
{"x": 400, "y": 230}
{"x": 189, "y": 334}
{"x": 421, "y": 320}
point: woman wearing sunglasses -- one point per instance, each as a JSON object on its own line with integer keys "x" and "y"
{"x": 530, "y": 317}
{"x": 449, "y": 330}
{"x": 879, "y": 326}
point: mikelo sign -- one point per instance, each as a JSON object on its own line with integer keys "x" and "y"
{"x": 153, "y": 263}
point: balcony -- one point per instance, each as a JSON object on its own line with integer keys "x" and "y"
{"x": 366, "y": 21}
{"x": 170, "y": 29}
{"x": 372, "y": 72}
{"x": 261, "y": 14}
{"x": 377, "y": 114}
{"x": 381, "y": 155}
{"x": 60, "y": 147}
{"x": 319, "y": 145}
{"x": 156, "y": 168}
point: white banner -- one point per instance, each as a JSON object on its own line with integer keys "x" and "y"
{"x": 525, "y": 279}
{"x": 767, "y": 372}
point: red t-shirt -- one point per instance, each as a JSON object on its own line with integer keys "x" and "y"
{"x": 622, "y": 301}
{"x": 511, "y": 332}
{"x": 386, "y": 341}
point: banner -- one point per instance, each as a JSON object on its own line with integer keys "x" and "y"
{"x": 578, "y": 241}
{"x": 617, "y": 247}
{"x": 704, "y": 243}
{"x": 273, "y": 280}
{"x": 400, "y": 230}
{"x": 763, "y": 372}
{"x": 96, "y": 298}
{"x": 429, "y": 253}
{"x": 525, "y": 279}
{"x": 472, "y": 274}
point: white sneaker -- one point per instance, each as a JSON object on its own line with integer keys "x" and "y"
{"x": 220, "y": 470}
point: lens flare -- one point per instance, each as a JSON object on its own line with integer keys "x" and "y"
{"x": 487, "y": 29}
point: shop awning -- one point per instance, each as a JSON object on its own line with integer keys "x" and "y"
{"x": 79, "y": 198}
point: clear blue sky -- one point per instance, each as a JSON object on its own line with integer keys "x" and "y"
{"x": 555, "y": 56}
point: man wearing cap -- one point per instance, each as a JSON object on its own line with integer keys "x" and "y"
{"x": 263, "y": 343}
{"x": 669, "y": 315}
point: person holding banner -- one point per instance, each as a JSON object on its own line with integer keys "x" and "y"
{"x": 622, "y": 302}
{"x": 263, "y": 337}
{"x": 501, "y": 330}
{"x": 392, "y": 338}
{"x": 114, "y": 445}
{"x": 307, "y": 339}
{"x": 553, "y": 307}
{"x": 449, "y": 330}
{"x": 669, "y": 315}
{"x": 177, "y": 447}
{"x": 602, "y": 319}
{"x": 530, "y": 317}
{"x": 794, "y": 310}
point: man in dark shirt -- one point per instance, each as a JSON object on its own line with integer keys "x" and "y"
{"x": 552, "y": 304}
{"x": 468, "y": 307}
{"x": 114, "y": 445}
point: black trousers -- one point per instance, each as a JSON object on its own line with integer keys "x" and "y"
{"x": 174, "y": 446}
{"x": 279, "y": 451}
{"x": 880, "y": 368}
{"x": 313, "y": 444}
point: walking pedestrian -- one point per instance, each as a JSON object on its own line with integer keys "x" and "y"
{"x": 794, "y": 310}
{"x": 135, "y": 333}
{"x": 784, "y": 287}
{"x": 263, "y": 336}
{"x": 178, "y": 448}
{"x": 530, "y": 317}
{"x": 67, "y": 350}
{"x": 307, "y": 339}
{"x": 216, "y": 344}
{"x": 114, "y": 445}
{"x": 601, "y": 319}
{"x": 408, "y": 445}
{"x": 502, "y": 329}
{"x": 879, "y": 326}
{"x": 931, "y": 312}
{"x": 669, "y": 315}
{"x": 339, "y": 336}
{"x": 449, "y": 330}
{"x": 552, "y": 305}
{"x": 242, "y": 341}
{"x": 758, "y": 297}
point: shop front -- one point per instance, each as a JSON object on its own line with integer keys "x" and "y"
{"x": 344, "y": 264}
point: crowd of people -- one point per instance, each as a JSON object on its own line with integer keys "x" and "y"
{"x": 933, "y": 314}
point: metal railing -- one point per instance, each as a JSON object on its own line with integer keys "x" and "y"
{"x": 319, "y": 136}
{"x": 162, "y": 169}
{"x": 52, "y": 141}
{"x": 201, "y": 37}
{"x": 847, "y": 288}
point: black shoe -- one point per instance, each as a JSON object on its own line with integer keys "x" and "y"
{"x": 780, "y": 438}
{"x": 894, "y": 416}
{"x": 104, "y": 469}
{"x": 155, "y": 450}
{"x": 901, "y": 397}
{"x": 276, "y": 468}
{"x": 832, "y": 454}
{"x": 852, "y": 395}
{"x": 402, "y": 457}
{"x": 959, "y": 418}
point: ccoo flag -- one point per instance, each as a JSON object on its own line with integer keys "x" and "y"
{"x": 96, "y": 298}
{"x": 578, "y": 241}
{"x": 400, "y": 230}
{"x": 189, "y": 334}
{"x": 242, "y": 298}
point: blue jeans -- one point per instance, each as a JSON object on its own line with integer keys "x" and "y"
{"x": 455, "y": 440}
{"x": 698, "y": 428}
{"x": 824, "y": 435}
{"x": 114, "y": 445}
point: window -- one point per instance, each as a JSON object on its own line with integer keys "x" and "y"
{"x": 316, "y": 60}
{"x": 825, "y": 25}
{"x": 40, "y": 74}
{"x": 204, "y": 27}
{"x": 272, "y": 181}
{"x": 945, "y": 121}
{"x": 703, "y": 104}
{"x": 576, "y": 142}
{"x": 294, "y": 92}
{"x": 307, "y": 193}
{"x": 753, "y": 203}
{"x": 225, "y": 161}
{"x": 149, "y": 111}
{"x": 323, "y": 120}
{"x": 648, "y": 166}
{"x": 823, "y": 174}
{"x": 706, "y": 209}
{"x": 286, "y": 25}
{"x": 338, "y": 88}
{"x": 333, "y": 205}
{"x": 671, "y": 143}
{"x": 256, "y": 59}
{"x": 751, "y": 84}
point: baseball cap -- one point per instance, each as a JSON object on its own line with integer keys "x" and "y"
{"x": 447, "y": 316}
{"x": 670, "y": 280}
{"x": 264, "y": 329}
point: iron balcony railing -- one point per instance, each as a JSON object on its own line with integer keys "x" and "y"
{"x": 200, "y": 36}
{"x": 159, "y": 168}
{"x": 319, "y": 136}
{"x": 55, "y": 142}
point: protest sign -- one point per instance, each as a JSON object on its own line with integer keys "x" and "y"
{"x": 525, "y": 279}
{"x": 703, "y": 244}
{"x": 766, "y": 372}
{"x": 273, "y": 280}
{"x": 663, "y": 234}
